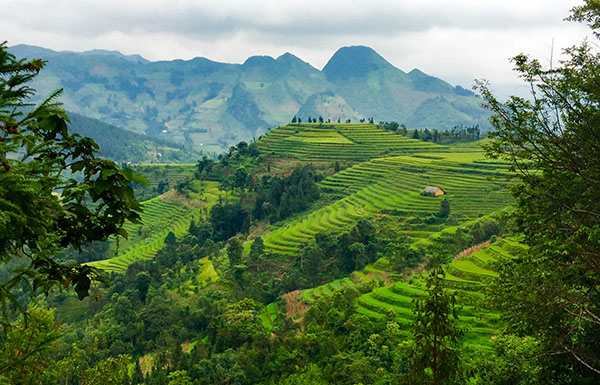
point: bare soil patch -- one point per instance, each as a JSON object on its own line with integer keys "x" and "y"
{"x": 293, "y": 307}
{"x": 471, "y": 250}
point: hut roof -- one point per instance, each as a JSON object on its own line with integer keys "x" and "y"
{"x": 431, "y": 189}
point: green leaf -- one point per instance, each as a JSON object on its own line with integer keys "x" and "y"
{"x": 82, "y": 287}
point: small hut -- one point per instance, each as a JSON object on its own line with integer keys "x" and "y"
{"x": 433, "y": 191}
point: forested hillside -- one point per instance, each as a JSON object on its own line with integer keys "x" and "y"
{"x": 124, "y": 146}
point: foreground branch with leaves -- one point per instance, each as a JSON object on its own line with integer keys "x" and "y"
{"x": 54, "y": 190}
{"x": 553, "y": 142}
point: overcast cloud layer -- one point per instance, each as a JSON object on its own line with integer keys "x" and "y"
{"x": 455, "y": 40}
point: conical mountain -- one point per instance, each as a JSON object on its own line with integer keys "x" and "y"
{"x": 355, "y": 62}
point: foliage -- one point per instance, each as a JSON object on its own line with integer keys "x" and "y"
{"x": 553, "y": 144}
{"x": 122, "y": 146}
{"x": 280, "y": 197}
{"x": 444, "y": 208}
{"x": 512, "y": 362}
{"x": 436, "y": 357}
{"x": 179, "y": 377}
{"x": 227, "y": 220}
{"x": 26, "y": 348}
{"x": 41, "y": 211}
{"x": 111, "y": 371}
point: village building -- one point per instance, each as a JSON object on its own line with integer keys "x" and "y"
{"x": 433, "y": 191}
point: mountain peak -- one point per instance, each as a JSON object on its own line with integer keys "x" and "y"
{"x": 354, "y": 61}
{"x": 258, "y": 61}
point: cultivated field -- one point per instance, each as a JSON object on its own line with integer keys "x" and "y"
{"x": 395, "y": 184}
{"x": 158, "y": 219}
{"x": 314, "y": 142}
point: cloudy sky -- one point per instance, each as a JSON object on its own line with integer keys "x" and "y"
{"x": 455, "y": 40}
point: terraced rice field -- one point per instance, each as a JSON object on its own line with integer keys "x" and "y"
{"x": 396, "y": 183}
{"x": 156, "y": 173}
{"x": 316, "y": 142}
{"x": 309, "y": 295}
{"x": 467, "y": 278}
{"x": 158, "y": 219}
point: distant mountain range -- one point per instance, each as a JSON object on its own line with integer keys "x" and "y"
{"x": 211, "y": 105}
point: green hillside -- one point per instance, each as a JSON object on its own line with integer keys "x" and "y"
{"x": 161, "y": 215}
{"x": 394, "y": 185}
{"x": 467, "y": 278}
{"x": 158, "y": 219}
{"x": 315, "y": 142}
{"x": 124, "y": 146}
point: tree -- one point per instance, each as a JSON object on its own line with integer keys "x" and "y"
{"x": 256, "y": 251}
{"x": 444, "y": 208}
{"x": 552, "y": 141}
{"x": 170, "y": 239}
{"x": 240, "y": 178}
{"x": 142, "y": 282}
{"x": 26, "y": 349}
{"x": 163, "y": 186}
{"x": 437, "y": 336}
{"x": 235, "y": 251}
{"x": 111, "y": 371}
{"x": 41, "y": 210}
{"x": 179, "y": 377}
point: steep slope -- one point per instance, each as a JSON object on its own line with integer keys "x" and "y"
{"x": 124, "y": 146}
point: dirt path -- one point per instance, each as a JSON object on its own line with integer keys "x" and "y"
{"x": 471, "y": 250}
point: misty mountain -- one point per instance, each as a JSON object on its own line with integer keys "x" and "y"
{"x": 211, "y": 105}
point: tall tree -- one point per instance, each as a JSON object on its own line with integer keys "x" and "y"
{"x": 43, "y": 211}
{"x": 26, "y": 348}
{"x": 444, "y": 208}
{"x": 552, "y": 141}
{"x": 235, "y": 251}
{"x": 436, "y": 358}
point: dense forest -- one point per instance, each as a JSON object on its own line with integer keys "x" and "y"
{"x": 320, "y": 253}
{"x": 124, "y": 146}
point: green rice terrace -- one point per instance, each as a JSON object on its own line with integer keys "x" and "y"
{"x": 394, "y": 185}
{"x": 158, "y": 219}
{"x": 387, "y": 180}
{"x": 173, "y": 173}
{"x": 315, "y": 142}
{"x": 160, "y": 216}
{"x": 466, "y": 277}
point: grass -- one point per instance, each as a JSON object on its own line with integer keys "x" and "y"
{"x": 395, "y": 184}
{"x": 205, "y": 276}
{"x": 269, "y": 314}
{"x": 466, "y": 278}
{"x": 330, "y": 142}
{"x": 158, "y": 219}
